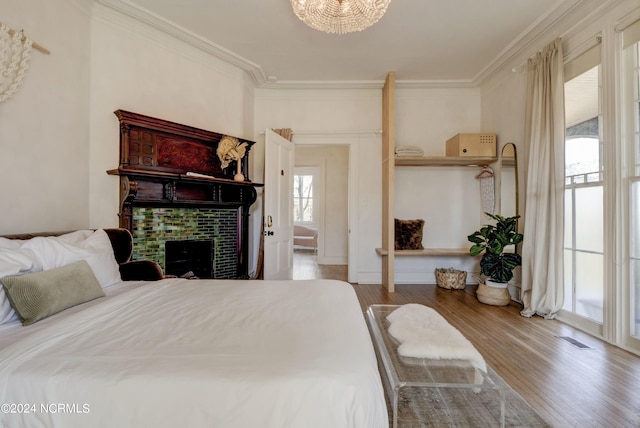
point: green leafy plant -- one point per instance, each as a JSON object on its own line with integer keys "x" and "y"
{"x": 492, "y": 240}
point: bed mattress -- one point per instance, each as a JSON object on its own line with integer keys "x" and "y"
{"x": 198, "y": 353}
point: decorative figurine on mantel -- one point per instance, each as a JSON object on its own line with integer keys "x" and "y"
{"x": 230, "y": 149}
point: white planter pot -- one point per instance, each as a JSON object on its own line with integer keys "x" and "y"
{"x": 495, "y": 284}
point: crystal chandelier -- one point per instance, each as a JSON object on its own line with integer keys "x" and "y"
{"x": 339, "y": 16}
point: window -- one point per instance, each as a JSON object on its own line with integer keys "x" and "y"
{"x": 584, "y": 190}
{"x": 305, "y": 191}
{"x": 633, "y": 143}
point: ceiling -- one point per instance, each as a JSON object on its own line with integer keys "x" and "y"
{"x": 421, "y": 40}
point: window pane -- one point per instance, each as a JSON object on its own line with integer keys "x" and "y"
{"x": 303, "y": 198}
{"x": 589, "y": 290}
{"x": 568, "y": 218}
{"x": 568, "y": 281}
{"x": 634, "y": 194}
{"x": 637, "y": 147}
{"x": 588, "y": 218}
{"x": 582, "y": 155}
{"x": 635, "y": 220}
{"x": 635, "y": 298}
{"x": 584, "y": 175}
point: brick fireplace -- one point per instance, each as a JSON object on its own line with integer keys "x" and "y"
{"x": 152, "y": 228}
{"x": 161, "y": 201}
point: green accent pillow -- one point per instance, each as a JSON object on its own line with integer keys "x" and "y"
{"x": 38, "y": 295}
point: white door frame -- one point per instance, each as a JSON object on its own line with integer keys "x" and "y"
{"x": 353, "y": 143}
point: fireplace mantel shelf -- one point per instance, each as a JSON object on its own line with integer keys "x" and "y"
{"x": 158, "y": 159}
{"x": 177, "y": 176}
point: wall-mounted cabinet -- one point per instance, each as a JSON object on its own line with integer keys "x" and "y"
{"x": 389, "y": 164}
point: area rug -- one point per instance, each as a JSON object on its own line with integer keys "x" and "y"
{"x": 442, "y": 393}
{"x": 446, "y": 407}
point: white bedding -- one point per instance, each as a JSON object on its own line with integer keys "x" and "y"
{"x": 199, "y": 353}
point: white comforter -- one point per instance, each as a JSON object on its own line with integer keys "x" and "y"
{"x": 199, "y": 353}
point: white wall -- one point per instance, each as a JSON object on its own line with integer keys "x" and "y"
{"x": 140, "y": 69}
{"x": 44, "y": 127}
{"x": 336, "y": 117}
{"x": 448, "y": 198}
{"x": 503, "y": 110}
{"x": 60, "y": 128}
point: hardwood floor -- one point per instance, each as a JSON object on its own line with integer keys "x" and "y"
{"x": 306, "y": 267}
{"x": 567, "y": 386}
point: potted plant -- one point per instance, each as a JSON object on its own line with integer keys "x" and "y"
{"x": 492, "y": 240}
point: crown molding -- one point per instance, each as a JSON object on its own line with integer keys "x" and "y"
{"x": 527, "y": 39}
{"x": 256, "y": 73}
{"x": 519, "y": 50}
{"x": 367, "y": 84}
{"x": 143, "y": 15}
{"x": 560, "y": 22}
{"x": 85, "y": 6}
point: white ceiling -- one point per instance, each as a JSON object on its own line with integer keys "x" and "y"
{"x": 421, "y": 40}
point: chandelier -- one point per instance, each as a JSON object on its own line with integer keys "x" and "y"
{"x": 339, "y": 16}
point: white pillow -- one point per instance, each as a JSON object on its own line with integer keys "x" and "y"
{"x": 11, "y": 243}
{"x": 75, "y": 237}
{"x": 14, "y": 261}
{"x": 7, "y": 314}
{"x": 18, "y": 257}
{"x": 96, "y": 249}
{"x": 71, "y": 238}
{"x": 102, "y": 260}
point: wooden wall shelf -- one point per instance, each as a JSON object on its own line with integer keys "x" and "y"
{"x": 426, "y": 252}
{"x": 443, "y": 161}
{"x": 389, "y": 163}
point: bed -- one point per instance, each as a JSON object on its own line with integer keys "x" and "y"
{"x": 195, "y": 353}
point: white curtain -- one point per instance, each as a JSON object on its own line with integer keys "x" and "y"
{"x": 542, "y": 250}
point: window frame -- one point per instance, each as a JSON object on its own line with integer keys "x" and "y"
{"x": 314, "y": 172}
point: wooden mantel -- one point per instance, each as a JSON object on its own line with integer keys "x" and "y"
{"x": 156, "y": 159}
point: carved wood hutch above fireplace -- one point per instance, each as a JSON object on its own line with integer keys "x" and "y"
{"x": 173, "y": 187}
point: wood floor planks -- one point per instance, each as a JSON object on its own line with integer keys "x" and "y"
{"x": 567, "y": 386}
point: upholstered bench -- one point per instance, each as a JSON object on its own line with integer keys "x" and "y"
{"x": 449, "y": 392}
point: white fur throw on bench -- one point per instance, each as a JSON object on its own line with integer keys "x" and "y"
{"x": 424, "y": 333}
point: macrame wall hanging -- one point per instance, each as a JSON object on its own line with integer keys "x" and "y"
{"x": 487, "y": 189}
{"x": 15, "y": 53}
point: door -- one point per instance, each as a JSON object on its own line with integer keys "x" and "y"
{"x": 278, "y": 207}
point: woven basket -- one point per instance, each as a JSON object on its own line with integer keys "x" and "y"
{"x": 492, "y": 295}
{"x": 451, "y": 279}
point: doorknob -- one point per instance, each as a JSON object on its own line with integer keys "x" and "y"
{"x": 269, "y": 221}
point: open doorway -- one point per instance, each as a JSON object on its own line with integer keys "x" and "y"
{"x": 321, "y": 200}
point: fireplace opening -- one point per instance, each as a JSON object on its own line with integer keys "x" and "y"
{"x": 190, "y": 257}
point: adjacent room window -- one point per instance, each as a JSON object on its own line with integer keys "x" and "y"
{"x": 305, "y": 195}
{"x": 584, "y": 189}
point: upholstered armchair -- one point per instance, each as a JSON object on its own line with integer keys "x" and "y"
{"x": 137, "y": 270}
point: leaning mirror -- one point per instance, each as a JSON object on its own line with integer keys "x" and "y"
{"x": 509, "y": 181}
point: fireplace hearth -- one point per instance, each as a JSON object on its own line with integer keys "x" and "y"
{"x": 190, "y": 257}
{"x": 153, "y": 228}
